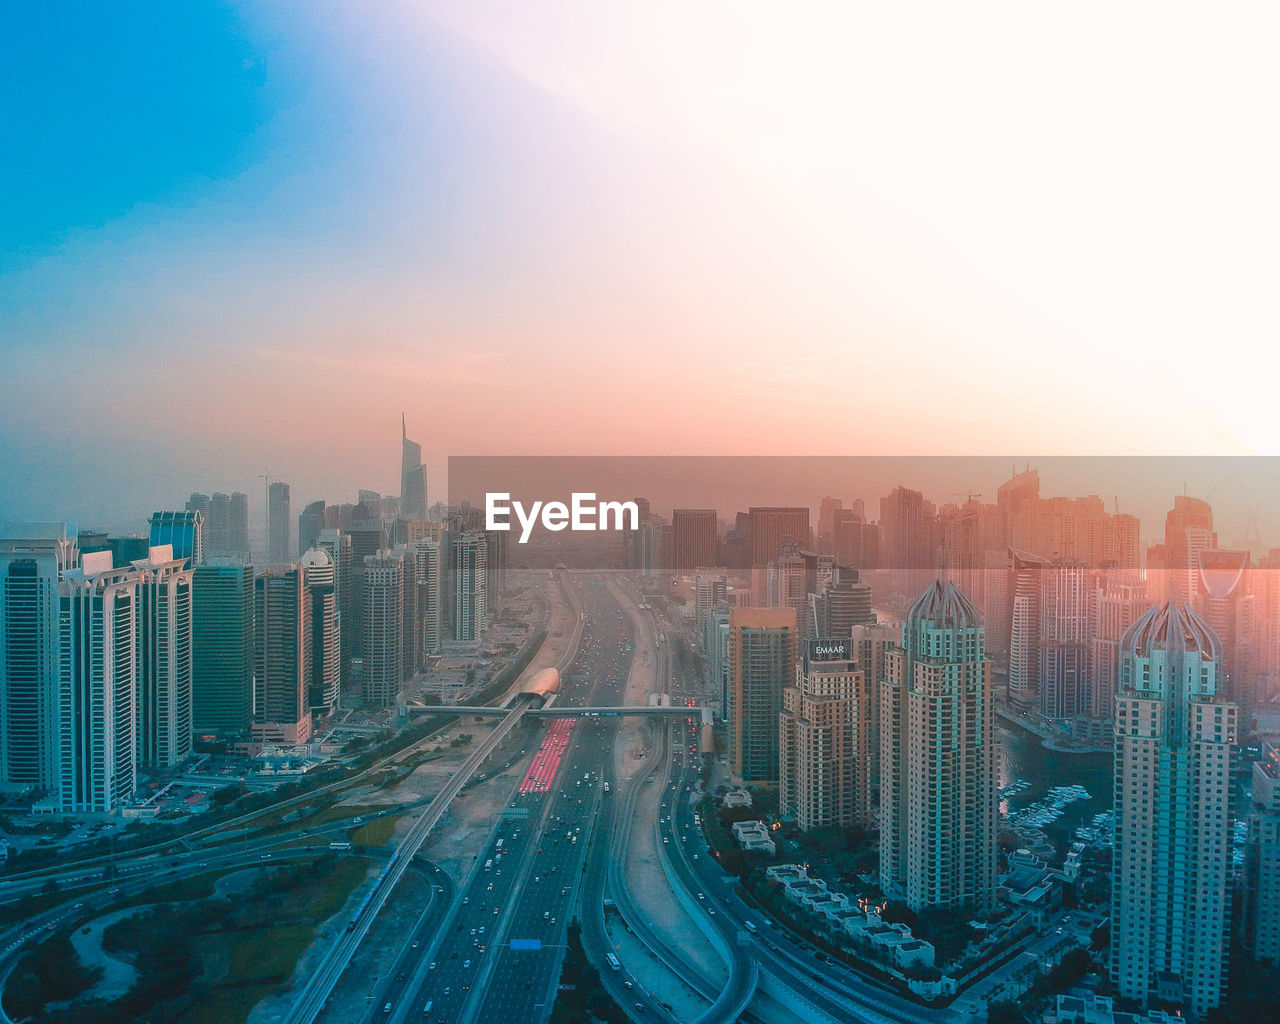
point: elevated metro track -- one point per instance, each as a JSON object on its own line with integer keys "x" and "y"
{"x": 560, "y": 711}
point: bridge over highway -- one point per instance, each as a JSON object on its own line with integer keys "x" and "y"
{"x": 559, "y": 711}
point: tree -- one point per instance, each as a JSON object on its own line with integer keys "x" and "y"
{"x": 1004, "y": 1012}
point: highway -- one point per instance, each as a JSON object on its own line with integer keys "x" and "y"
{"x": 317, "y": 988}
{"x": 499, "y": 954}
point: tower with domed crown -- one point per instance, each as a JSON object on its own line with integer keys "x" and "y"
{"x": 938, "y": 757}
{"x": 1171, "y": 858}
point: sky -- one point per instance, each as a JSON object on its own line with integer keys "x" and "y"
{"x": 240, "y": 239}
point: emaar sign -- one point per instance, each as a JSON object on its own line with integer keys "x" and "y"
{"x": 582, "y": 514}
{"x": 838, "y": 648}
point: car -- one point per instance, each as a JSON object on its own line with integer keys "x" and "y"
{"x": 466, "y": 900}
{"x": 387, "y": 1008}
{"x": 466, "y": 964}
{"x": 627, "y": 984}
{"x": 640, "y": 1006}
{"x": 433, "y": 966}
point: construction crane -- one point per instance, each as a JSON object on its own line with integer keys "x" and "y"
{"x": 967, "y": 495}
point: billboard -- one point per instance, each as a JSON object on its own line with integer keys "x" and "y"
{"x": 836, "y": 648}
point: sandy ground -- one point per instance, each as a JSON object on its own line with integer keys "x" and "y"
{"x": 649, "y": 887}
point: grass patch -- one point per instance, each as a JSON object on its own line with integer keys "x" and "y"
{"x": 209, "y": 960}
{"x": 269, "y": 954}
{"x": 375, "y": 833}
{"x": 227, "y": 1004}
{"x": 323, "y": 902}
{"x": 342, "y": 812}
{"x": 182, "y": 890}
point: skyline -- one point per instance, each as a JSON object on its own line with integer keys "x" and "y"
{"x": 329, "y": 215}
{"x": 1244, "y": 490}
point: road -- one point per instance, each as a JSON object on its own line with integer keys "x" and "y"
{"x": 315, "y": 991}
{"x": 503, "y": 942}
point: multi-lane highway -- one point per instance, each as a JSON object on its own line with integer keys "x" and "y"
{"x": 499, "y": 954}
{"x": 315, "y": 992}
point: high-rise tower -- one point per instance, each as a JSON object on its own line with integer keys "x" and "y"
{"x": 97, "y": 768}
{"x": 824, "y": 742}
{"x": 33, "y": 559}
{"x": 938, "y": 758}
{"x": 1171, "y": 857}
{"x": 163, "y": 634}
{"x": 413, "y": 476}
{"x": 222, "y": 646}
{"x": 279, "y": 527}
{"x": 762, "y": 659}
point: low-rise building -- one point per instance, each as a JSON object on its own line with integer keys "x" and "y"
{"x": 1094, "y": 1009}
{"x": 754, "y": 837}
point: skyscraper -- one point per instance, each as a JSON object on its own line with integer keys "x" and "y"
{"x": 762, "y": 663}
{"x": 771, "y": 528}
{"x": 182, "y": 531}
{"x": 279, "y": 550}
{"x": 324, "y": 668}
{"x": 1260, "y": 929}
{"x": 471, "y": 582}
{"x": 870, "y": 643}
{"x": 163, "y": 634}
{"x": 428, "y": 575}
{"x": 226, "y": 523}
{"x": 1188, "y": 530}
{"x": 413, "y": 477}
{"x": 282, "y": 648}
{"x": 839, "y": 604}
{"x": 310, "y": 524}
{"x": 938, "y": 758}
{"x": 1171, "y": 856}
{"x": 693, "y": 539}
{"x": 1117, "y": 606}
{"x": 33, "y": 559}
{"x": 97, "y": 686}
{"x": 907, "y": 528}
{"x": 1065, "y": 593}
{"x": 222, "y": 629}
{"x": 824, "y": 742}
{"x": 1225, "y": 599}
{"x": 1024, "y": 626}
{"x": 827, "y": 509}
{"x": 338, "y": 546}
{"x": 383, "y": 616}
{"x": 716, "y": 644}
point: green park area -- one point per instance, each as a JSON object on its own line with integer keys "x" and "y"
{"x": 202, "y": 958}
